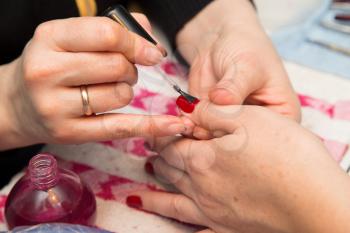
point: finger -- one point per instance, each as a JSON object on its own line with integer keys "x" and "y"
{"x": 95, "y": 68}
{"x": 98, "y": 34}
{"x": 192, "y": 156}
{"x": 206, "y": 231}
{"x": 102, "y": 98}
{"x": 219, "y": 118}
{"x": 201, "y": 79}
{"x": 174, "y": 206}
{"x": 115, "y": 126}
{"x": 157, "y": 143}
{"x": 234, "y": 88}
{"x": 145, "y": 23}
{"x": 202, "y": 134}
{"x": 171, "y": 175}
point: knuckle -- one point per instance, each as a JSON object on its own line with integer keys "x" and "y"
{"x": 124, "y": 94}
{"x": 33, "y": 71}
{"x": 43, "y": 30}
{"x": 177, "y": 207}
{"x": 205, "y": 199}
{"x": 147, "y": 127}
{"x": 60, "y": 135}
{"x": 120, "y": 64}
{"x": 248, "y": 56}
{"x": 110, "y": 33}
{"x": 117, "y": 130}
{"x": 46, "y": 110}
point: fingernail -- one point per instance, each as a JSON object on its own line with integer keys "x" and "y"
{"x": 134, "y": 202}
{"x": 189, "y": 126}
{"x": 185, "y": 105}
{"x": 162, "y": 50}
{"x": 153, "y": 55}
{"x": 149, "y": 168}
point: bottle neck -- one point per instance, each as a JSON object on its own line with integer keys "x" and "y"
{"x": 43, "y": 171}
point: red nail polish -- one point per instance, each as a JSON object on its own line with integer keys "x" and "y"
{"x": 186, "y": 105}
{"x": 134, "y": 202}
{"x": 149, "y": 168}
{"x": 342, "y": 17}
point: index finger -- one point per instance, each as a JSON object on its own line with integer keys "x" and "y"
{"x": 98, "y": 34}
{"x": 116, "y": 126}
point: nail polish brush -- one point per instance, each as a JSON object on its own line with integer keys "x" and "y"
{"x": 120, "y": 15}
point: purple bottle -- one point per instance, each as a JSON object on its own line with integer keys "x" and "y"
{"x": 47, "y": 194}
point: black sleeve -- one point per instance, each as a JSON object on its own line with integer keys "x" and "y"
{"x": 13, "y": 161}
{"x": 172, "y": 15}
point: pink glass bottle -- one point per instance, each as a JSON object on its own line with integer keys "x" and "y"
{"x": 46, "y": 194}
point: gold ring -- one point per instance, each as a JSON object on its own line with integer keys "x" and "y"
{"x": 87, "y": 110}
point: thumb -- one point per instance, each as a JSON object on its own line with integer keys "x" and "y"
{"x": 233, "y": 88}
{"x": 145, "y": 23}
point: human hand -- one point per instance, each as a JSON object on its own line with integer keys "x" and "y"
{"x": 41, "y": 89}
{"x": 233, "y": 61}
{"x": 256, "y": 178}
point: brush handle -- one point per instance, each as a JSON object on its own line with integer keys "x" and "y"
{"x": 122, "y": 16}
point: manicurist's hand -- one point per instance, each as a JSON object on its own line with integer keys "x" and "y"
{"x": 265, "y": 174}
{"x": 233, "y": 61}
{"x": 41, "y": 97}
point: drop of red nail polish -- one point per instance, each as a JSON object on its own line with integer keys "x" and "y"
{"x": 185, "y": 105}
{"x": 134, "y": 202}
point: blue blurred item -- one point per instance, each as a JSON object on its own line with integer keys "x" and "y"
{"x": 57, "y": 228}
{"x": 321, "y": 42}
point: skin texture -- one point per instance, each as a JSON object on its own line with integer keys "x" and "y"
{"x": 254, "y": 178}
{"x": 40, "y": 98}
{"x": 233, "y": 61}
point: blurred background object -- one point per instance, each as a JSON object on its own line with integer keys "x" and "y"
{"x": 316, "y": 39}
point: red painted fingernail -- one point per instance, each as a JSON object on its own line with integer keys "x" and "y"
{"x": 149, "y": 168}
{"x": 342, "y": 17}
{"x": 185, "y": 105}
{"x": 134, "y": 202}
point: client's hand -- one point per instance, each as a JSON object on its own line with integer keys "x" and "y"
{"x": 233, "y": 61}
{"x": 264, "y": 173}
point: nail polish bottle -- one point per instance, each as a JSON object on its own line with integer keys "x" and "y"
{"x": 47, "y": 193}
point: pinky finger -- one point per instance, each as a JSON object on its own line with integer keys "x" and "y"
{"x": 175, "y": 206}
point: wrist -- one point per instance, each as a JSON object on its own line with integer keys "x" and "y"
{"x": 9, "y": 135}
{"x": 219, "y": 15}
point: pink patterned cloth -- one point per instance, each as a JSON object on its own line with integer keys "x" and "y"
{"x": 114, "y": 169}
{"x": 104, "y": 185}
